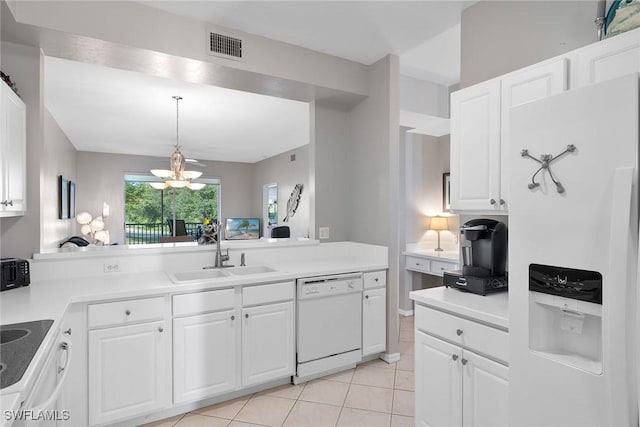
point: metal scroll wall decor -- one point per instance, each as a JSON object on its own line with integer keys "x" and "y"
{"x": 293, "y": 202}
{"x": 545, "y": 164}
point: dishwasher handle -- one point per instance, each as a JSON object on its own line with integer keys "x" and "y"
{"x": 65, "y": 345}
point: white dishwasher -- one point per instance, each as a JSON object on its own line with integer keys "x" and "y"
{"x": 329, "y": 324}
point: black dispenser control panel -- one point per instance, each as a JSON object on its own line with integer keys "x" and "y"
{"x": 566, "y": 282}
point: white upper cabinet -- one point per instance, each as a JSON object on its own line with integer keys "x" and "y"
{"x": 475, "y": 147}
{"x": 608, "y": 59}
{"x": 532, "y": 83}
{"x": 13, "y": 154}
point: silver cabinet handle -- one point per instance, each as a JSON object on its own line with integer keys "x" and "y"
{"x": 458, "y": 332}
{"x": 454, "y": 357}
{"x": 492, "y": 201}
{"x": 67, "y": 332}
{"x": 464, "y": 361}
{"x": 233, "y": 317}
{"x": 160, "y": 329}
{"x": 502, "y": 202}
{"x": 7, "y": 203}
{"x": 127, "y": 312}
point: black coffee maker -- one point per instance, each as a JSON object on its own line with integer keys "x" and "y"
{"x": 484, "y": 258}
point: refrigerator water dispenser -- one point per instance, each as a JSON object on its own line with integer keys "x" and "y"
{"x": 565, "y": 316}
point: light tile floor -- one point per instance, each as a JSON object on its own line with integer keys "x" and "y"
{"x": 374, "y": 394}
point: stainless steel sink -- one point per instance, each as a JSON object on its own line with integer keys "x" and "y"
{"x": 254, "y": 269}
{"x": 203, "y": 274}
{"x": 10, "y": 335}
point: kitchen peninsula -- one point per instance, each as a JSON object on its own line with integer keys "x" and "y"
{"x": 127, "y": 312}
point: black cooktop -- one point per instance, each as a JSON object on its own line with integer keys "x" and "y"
{"x": 19, "y": 342}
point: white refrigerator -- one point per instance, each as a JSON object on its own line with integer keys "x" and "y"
{"x": 573, "y": 258}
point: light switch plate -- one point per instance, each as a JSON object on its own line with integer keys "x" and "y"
{"x": 324, "y": 232}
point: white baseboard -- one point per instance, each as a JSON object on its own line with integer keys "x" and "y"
{"x": 390, "y": 357}
{"x": 405, "y": 313}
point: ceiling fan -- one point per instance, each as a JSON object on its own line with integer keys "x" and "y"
{"x": 195, "y": 162}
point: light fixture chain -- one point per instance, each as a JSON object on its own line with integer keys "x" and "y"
{"x": 177, "y": 98}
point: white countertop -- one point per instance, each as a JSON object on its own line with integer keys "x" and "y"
{"x": 50, "y": 299}
{"x": 448, "y": 256}
{"x": 491, "y": 309}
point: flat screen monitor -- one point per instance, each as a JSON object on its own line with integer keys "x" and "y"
{"x": 242, "y": 228}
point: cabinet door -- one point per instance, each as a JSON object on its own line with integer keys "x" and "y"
{"x": 475, "y": 147}
{"x": 204, "y": 355}
{"x": 128, "y": 371}
{"x": 438, "y": 382}
{"x": 374, "y": 321}
{"x": 606, "y": 60}
{"x": 485, "y": 386}
{"x": 267, "y": 343}
{"x": 13, "y": 153}
{"x": 519, "y": 88}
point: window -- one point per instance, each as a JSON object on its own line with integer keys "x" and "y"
{"x": 146, "y": 210}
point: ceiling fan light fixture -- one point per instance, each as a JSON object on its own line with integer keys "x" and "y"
{"x": 196, "y": 186}
{"x": 159, "y": 185}
{"x": 177, "y": 183}
{"x": 191, "y": 175}
{"x": 161, "y": 173}
{"x": 177, "y": 177}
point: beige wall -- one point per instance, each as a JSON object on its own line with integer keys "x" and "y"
{"x": 59, "y": 159}
{"x": 20, "y": 236}
{"x": 100, "y": 178}
{"x": 502, "y": 36}
{"x": 286, "y": 173}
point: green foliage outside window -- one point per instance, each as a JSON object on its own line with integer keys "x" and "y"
{"x": 146, "y": 205}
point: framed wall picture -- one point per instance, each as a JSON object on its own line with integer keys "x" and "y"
{"x": 63, "y": 195}
{"x": 72, "y": 199}
{"x": 242, "y": 229}
{"x": 446, "y": 192}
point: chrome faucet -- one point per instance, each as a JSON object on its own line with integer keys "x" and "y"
{"x": 220, "y": 258}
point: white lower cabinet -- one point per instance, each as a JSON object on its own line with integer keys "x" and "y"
{"x": 129, "y": 371}
{"x": 456, "y": 387}
{"x": 268, "y": 341}
{"x": 374, "y": 321}
{"x": 204, "y": 355}
{"x": 438, "y": 387}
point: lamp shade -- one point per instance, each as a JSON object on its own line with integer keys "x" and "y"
{"x": 439, "y": 223}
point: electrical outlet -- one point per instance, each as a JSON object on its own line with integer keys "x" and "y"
{"x": 324, "y": 232}
{"x": 112, "y": 268}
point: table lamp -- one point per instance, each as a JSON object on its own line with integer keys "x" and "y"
{"x": 439, "y": 223}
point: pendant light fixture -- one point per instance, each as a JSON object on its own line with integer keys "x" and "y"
{"x": 177, "y": 177}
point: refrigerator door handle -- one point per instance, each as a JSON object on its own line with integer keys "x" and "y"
{"x": 616, "y": 343}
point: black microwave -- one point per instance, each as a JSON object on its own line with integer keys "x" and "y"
{"x": 14, "y": 272}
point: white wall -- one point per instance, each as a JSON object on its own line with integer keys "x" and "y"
{"x": 100, "y": 178}
{"x": 374, "y": 172}
{"x": 20, "y": 236}
{"x": 131, "y": 24}
{"x": 333, "y": 181}
{"x": 286, "y": 173}
{"x": 501, "y": 36}
{"x": 421, "y": 96}
{"x": 59, "y": 159}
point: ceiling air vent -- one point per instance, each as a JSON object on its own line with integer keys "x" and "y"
{"x": 225, "y": 46}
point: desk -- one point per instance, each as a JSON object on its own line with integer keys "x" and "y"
{"x": 429, "y": 261}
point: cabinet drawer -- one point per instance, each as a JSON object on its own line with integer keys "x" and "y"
{"x": 125, "y": 312}
{"x": 375, "y": 279}
{"x": 466, "y": 333}
{"x": 202, "y": 302}
{"x": 439, "y": 267}
{"x": 418, "y": 264}
{"x": 264, "y": 294}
